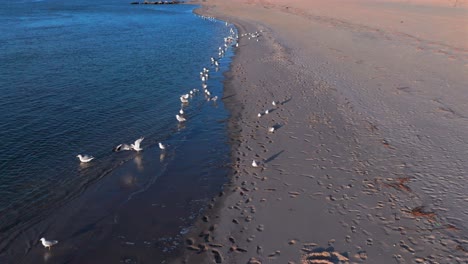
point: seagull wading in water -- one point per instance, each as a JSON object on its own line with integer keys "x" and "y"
{"x": 161, "y": 146}
{"x": 85, "y": 158}
{"x": 121, "y": 147}
{"x": 180, "y": 118}
{"x": 136, "y": 146}
{"x": 48, "y": 243}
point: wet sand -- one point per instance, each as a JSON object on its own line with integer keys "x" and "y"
{"x": 367, "y": 163}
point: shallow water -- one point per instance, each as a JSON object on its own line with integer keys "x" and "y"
{"x": 82, "y": 77}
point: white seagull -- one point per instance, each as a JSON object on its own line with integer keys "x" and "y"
{"x": 180, "y": 118}
{"x": 254, "y": 164}
{"x": 273, "y": 103}
{"x": 181, "y": 111}
{"x": 48, "y": 243}
{"x": 136, "y": 146}
{"x": 184, "y": 98}
{"x": 161, "y": 146}
{"x": 266, "y": 112}
{"x": 85, "y": 158}
{"x": 259, "y": 115}
{"x": 121, "y": 147}
{"x": 271, "y": 129}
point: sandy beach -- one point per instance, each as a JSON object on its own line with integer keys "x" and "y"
{"x": 367, "y": 162}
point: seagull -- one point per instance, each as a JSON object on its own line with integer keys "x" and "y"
{"x": 254, "y": 164}
{"x": 266, "y": 112}
{"x": 273, "y": 103}
{"x": 161, "y": 146}
{"x": 204, "y": 86}
{"x": 122, "y": 147}
{"x": 181, "y": 111}
{"x": 136, "y": 146}
{"x": 259, "y": 115}
{"x": 85, "y": 158}
{"x": 180, "y": 118}
{"x": 214, "y": 98}
{"x": 271, "y": 129}
{"x": 183, "y": 99}
{"x": 48, "y": 243}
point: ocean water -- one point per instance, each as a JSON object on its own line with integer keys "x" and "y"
{"x": 83, "y": 76}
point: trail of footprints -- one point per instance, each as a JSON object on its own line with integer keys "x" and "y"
{"x": 339, "y": 194}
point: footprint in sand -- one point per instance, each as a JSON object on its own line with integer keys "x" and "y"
{"x": 260, "y": 228}
{"x": 251, "y": 238}
{"x": 217, "y": 256}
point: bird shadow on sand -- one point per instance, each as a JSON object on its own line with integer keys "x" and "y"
{"x": 274, "y": 156}
{"x": 277, "y": 126}
{"x": 286, "y": 101}
{"x": 228, "y": 96}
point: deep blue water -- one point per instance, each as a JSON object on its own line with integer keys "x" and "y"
{"x": 83, "y": 76}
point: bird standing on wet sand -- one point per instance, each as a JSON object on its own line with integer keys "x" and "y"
{"x": 85, "y": 158}
{"x": 254, "y": 164}
{"x": 48, "y": 243}
{"x": 271, "y": 129}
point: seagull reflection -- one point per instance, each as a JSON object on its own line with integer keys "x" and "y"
{"x": 84, "y": 165}
{"x": 47, "y": 256}
{"x": 128, "y": 181}
{"x": 180, "y": 126}
{"x": 139, "y": 163}
{"x": 162, "y": 156}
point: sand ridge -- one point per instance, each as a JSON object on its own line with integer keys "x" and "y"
{"x": 338, "y": 180}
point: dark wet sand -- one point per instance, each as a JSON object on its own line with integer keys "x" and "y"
{"x": 368, "y": 161}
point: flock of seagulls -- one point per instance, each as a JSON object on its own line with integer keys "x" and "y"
{"x": 271, "y": 129}
{"x": 254, "y": 35}
{"x": 185, "y": 99}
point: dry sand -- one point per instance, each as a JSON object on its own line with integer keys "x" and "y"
{"x": 368, "y": 162}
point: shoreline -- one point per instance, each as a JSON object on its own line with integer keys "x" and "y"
{"x": 350, "y": 196}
